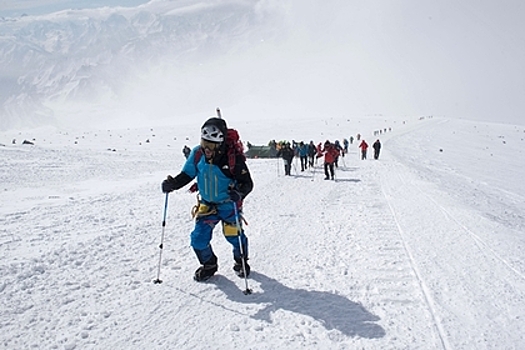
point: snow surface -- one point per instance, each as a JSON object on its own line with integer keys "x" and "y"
{"x": 421, "y": 249}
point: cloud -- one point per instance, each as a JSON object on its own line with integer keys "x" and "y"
{"x": 408, "y": 57}
{"x": 360, "y": 58}
{"x": 309, "y": 58}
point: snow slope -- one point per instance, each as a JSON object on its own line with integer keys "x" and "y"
{"x": 422, "y": 249}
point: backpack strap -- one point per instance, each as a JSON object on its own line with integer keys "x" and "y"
{"x": 198, "y": 156}
{"x": 232, "y": 162}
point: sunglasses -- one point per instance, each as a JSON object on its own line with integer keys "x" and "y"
{"x": 212, "y": 146}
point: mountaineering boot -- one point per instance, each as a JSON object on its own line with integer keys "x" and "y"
{"x": 238, "y": 267}
{"x": 207, "y": 270}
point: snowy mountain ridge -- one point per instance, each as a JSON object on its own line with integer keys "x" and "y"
{"x": 89, "y": 56}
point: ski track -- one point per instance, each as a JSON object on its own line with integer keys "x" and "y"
{"x": 483, "y": 245}
{"x": 460, "y": 272}
{"x": 424, "y": 288}
{"x": 371, "y": 280}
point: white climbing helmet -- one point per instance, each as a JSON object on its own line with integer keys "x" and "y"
{"x": 212, "y": 133}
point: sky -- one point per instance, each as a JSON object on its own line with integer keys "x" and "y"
{"x": 14, "y": 8}
{"x": 461, "y": 59}
{"x": 420, "y": 249}
{"x": 444, "y": 58}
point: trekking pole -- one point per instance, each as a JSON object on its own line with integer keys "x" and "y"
{"x": 239, "y": 230}
{"x": 161, "y": 246}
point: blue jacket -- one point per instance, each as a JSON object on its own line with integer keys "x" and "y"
{"x": 303, "y": 151}
{"x": 213, "y": 184}
{"x": 214, "y": 178}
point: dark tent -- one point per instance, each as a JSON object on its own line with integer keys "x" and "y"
{"x": 261, "y": 152}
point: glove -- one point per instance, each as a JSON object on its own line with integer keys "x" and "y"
{"x": 168, "y": 185}
{"x": 236, "y": 197}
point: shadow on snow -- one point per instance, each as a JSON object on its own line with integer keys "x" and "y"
{"x": 331, "y": 310}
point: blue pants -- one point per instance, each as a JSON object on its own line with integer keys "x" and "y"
{"x": 204, "y": 225}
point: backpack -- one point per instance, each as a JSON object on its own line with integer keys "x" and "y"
{"x": 234, "y": 148}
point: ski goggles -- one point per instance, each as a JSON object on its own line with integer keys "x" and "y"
{"x": 212, "y": 146}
